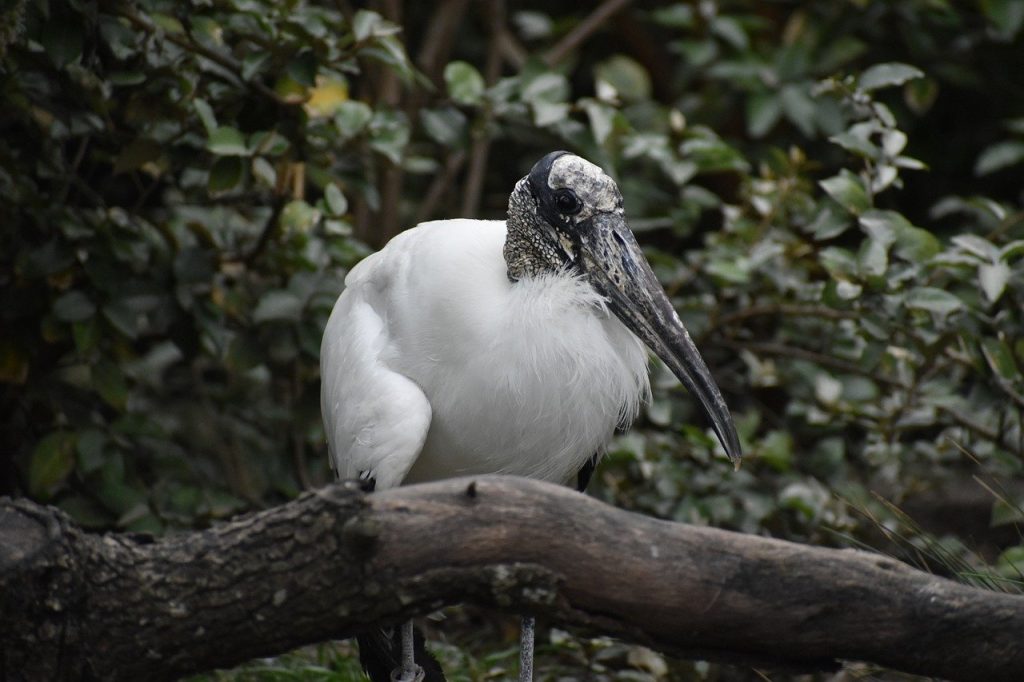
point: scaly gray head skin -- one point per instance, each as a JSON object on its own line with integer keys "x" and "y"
{"x": 567, "y": 214}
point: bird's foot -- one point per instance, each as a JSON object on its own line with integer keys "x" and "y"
{"x": 404, "y": 674}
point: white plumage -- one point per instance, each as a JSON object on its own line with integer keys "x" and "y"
{"x": 501, "y": 347}
{"x": 436, "y": 365}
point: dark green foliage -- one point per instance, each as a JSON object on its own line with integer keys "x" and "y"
{"x": 831, "y": 193}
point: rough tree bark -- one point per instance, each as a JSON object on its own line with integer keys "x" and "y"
{"x": 82, "y": 606}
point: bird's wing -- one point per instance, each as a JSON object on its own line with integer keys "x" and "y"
{"x": 376, "y": 419}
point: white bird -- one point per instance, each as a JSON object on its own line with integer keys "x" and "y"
{"x": 516, "y": 347}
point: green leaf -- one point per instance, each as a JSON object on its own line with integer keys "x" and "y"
{"x": 52, "y": 461}
{"x": 913, "y": 244}
{"x": 546, "y": 87}
{"x": 226, "y": 174}
{"x": 1000, "y": 358}
{"x": 352, "y": 118}
{"x": 601, "y": 117}
{"x": 264, "y": 172}
{"x": 887, "y": 75}
{"x": 676, "y": 15}
{"x": 977, "y": 246}
{"x": 465, "y": 84}
{"x": 731, "y": 270}
{"x": 302, "y": 69}
{"x": 848, "y": 191}
{"x": 798, "y": 107}
{"x": 120, "y": 315}
{"x": 366, "y": 23}
{"x": 1004, "y": 513}
{"x": 14, "y": 362}
{"x": 253, "y": 63}
{"x": 1007, "y": 16}
{"x": 731, "y": 31}
{"x": 194, "y": 265}
{"x": 74, "y": 306}
{"x": 803, "y": 498}
{"x": 298, "y": 216}
{"x": 857, "y": 140}
{"x": 763, "y": 111}
{"x": 136, "y": 154}
{"x": 847, "y": 291}
{"x": 167, "y": 22}
{"x": 91, "y": 450}
{"x": 108, "y": 381}
{"x": 626, "y": 76}
{"x": 62, "y": 34}
{"x": 206, "y": 115}
{"x": 933, "y": 300}
{"x": 227, "y": 141}
{"x": 1011, "y": 250}
{"x": 993, "y": 278}
{"x": 920, "y": 94}
{"x": 999, "y": 156}
{"x": 916, "y": 245}
{"x": 547, "y": 113}
{"x": 268, "y": 142}
{"x": 390, "y": 51}
{"x": 280, "y": 305}
{"x": 838, "y": 262}
{"x": 389, "y": 134}
{"x": 893, "y": 142}
{"x": 713, "y": 155}
{"x": 1011, "y": 562}
{"x": 829, "y": 223}
{"x": 86, "y": 334}
{"x": 873, "y": 257}
{"x": 85, "y": 511}
{"x": 446, "y": 126}
{"x": 336, "y": 202}
{"x": 776, "y": 450}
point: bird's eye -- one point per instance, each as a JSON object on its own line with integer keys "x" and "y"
{"x": 567, "y": 202}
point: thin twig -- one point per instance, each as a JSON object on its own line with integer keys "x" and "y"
{"x": 268, "y": 231}
{"x": 955, "y": 415}
{"x": 511, "y": 51}
{"x": 186, "y": 42}
{"x": 780, "y": 350}
{"x": 72, "y": 171}
{"x": 782, "y": 309}
{"x": 977, "y": 429}
{"x": 438, "y": 37}
{"x": 584, "y": 30}
{"x": 442, "y": 181}
{"x": 481, "y": 139}
{"x": 392, "y": 177}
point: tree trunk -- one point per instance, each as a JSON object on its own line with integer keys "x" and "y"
{"x": 334, "y": 561}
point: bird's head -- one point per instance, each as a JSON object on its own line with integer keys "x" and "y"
{"x": 567, "y": 215}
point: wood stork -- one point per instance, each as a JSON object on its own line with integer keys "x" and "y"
{"x": 516, "y": 347}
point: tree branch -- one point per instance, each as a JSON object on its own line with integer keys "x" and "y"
{"x": 335, "y": 561}
{"x": 225, "y": 61}
{"x": 583, "y": 30}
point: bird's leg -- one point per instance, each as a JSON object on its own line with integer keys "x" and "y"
{"x": 408, "y": 671}
{"x": 367, "y": 482}
{"x": 586, "y": 471}
{"x": 526, "y": 637}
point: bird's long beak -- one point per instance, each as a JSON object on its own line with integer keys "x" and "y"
{"x": 619, "y": 271}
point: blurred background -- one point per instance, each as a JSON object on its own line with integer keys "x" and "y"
{"x": 831, "y": 192}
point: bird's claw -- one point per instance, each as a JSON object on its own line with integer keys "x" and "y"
{"x": 403, "y": 674}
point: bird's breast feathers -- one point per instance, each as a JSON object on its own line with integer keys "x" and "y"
{"x": 527, "y": 378}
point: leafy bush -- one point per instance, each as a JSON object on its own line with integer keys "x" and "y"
{"x": 831, "y": 193}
